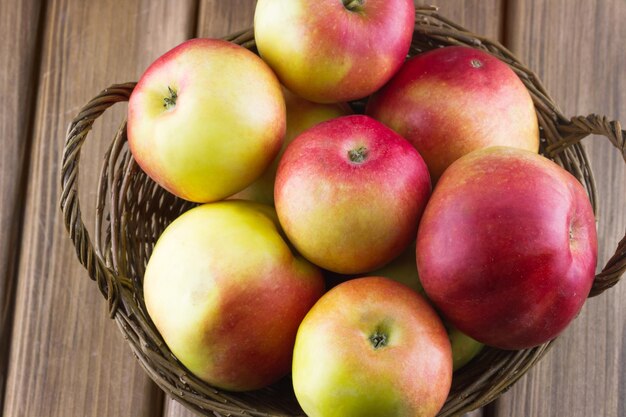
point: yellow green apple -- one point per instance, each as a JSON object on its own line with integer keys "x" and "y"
{"x": 402, "y": 269}
{"x": 371, "y": 347}
{"x": 206, "y": 119}
{"x": 301, "y": 115}
{"x": 334, "y": 50}
{"x": 349, "y": 194}
{"x": 464, "y": 348}
{"x": 227, "y": 294}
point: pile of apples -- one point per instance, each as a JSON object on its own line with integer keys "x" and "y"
{"x": 439, "y": 178}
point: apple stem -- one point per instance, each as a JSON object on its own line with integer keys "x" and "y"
{"x": 378, "y": 340}
{"x": 353, "y": 5}
{"x": 358, "y": 155}
{"x": 170, "y": 101}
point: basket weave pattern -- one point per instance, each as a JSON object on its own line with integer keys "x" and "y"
{"x": 132, "y": 212}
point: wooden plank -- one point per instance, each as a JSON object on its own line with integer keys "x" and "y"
{"x": 19, "y": 29}
{"x": 483, "y": 17}
{"x": 67, "y": 358}
{"x": 219, "y": 18}
{"x": 576, "y": 49}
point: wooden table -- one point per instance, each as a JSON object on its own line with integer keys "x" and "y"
{"x": 61, "y": 356}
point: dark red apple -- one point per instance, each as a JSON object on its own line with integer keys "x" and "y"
{"x": 507, "y": 247}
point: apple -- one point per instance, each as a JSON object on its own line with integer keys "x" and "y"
{"x": 227, "y": 294}
{"x": 349, "y": 194}
{"x": 403, "y": 270}
{"x": 507, "y": 247}
{"x": 464, "y": 348}
{"x": 206, "y": 119}
{"x": 301, "y": 115}
{"x": 451, "y": 101}
{"x": 334, "y": 50}
{"x": 371, "y": 347}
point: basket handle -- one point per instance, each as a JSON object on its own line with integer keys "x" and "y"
{"x": 70, "y": 206}
{"x": 574, "y": 131}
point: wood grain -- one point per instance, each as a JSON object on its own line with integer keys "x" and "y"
{"x": 577, "y": 50}
{"x": 219, "y": 18}
{"x": 19, "y": 31}
{"x": 484, "y": 17}
{"x": 67, "y": 358}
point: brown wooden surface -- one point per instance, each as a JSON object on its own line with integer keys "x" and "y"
{"x": 68, "y": 359}
{"x": 19, "y": 28}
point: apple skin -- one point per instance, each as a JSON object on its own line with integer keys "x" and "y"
{"x": 226, "y": 293}
{"x": 326, "y": 53}
{"x": 301, "y": 115}
{"x": 454, "y": 100}
{"x": 225, "y": 128}
{"x": 338, "y": 372}
{"x": 402, "y": 269}
{"x": 507, "y": 247}
{"x": 350, "y": 217}
{"x": 464, "y": 348}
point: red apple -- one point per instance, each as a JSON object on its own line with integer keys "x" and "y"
{"x": 451, "y": 101}
{"x": 227, "y": 294}
{"x": 334, "y": 50}
{"x": 301, "y": 115}
{"x": 507, "y": 247}
{"x": 371, "y": 347}
{"x": 206, "y": 119}
{"x": 349, "y": 194}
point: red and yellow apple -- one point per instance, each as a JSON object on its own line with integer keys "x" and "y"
{"x": 454, "y": 100}
{"x": 334, "y": 50}
{"x": 349, "y": 194}
{"x": 301, "y": 115}
{"x": 227, "y": 294}
{"x": 371, "y": 347}
{"x": 206, "y": 119}
{"x": 507, "y": 247}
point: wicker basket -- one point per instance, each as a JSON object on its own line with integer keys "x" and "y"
{"x": 132, "y": 211}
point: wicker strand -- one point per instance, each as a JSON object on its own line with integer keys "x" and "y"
{"x": 70, "y": 206}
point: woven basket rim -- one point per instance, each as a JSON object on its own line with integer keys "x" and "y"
{"x": 106, "y": 259}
